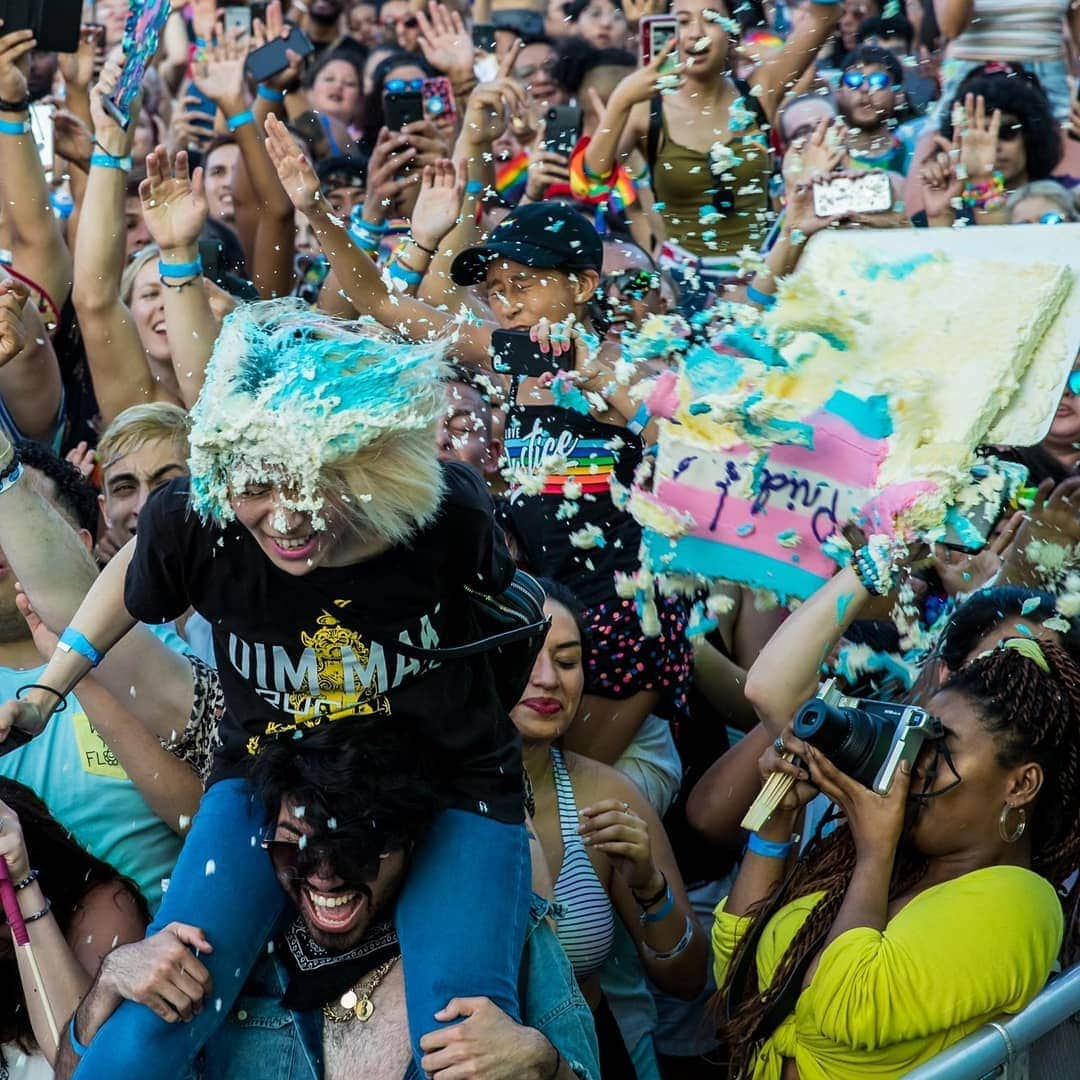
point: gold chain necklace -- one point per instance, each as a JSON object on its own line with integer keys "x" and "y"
{"x": 356, "y": 1003}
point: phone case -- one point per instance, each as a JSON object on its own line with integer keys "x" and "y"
{"x": 438, "y": 99}
{"x": 144, "y": 25}
{"x": 515, "y": 353}
{"x": 562, "y": 129}
{"x": 870, "y": 193}
{"x": 266, "y": 61}
{"x": 656, "y": 31}
{"x": 399, "y": 109}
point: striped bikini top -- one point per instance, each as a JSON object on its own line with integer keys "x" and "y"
{"x": 587, "y": 926}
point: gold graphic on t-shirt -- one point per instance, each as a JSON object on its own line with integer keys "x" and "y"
{"x": 340, "y": 693}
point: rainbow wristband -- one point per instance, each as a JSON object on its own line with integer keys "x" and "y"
{"x": 768, "y": 849}
{"x": 268, "y": 93}
{"x": 14, "y": 127}
{"x": 241, "y": 119}
{"x": 72, "y": 641}
{"x": 177, "y": 271}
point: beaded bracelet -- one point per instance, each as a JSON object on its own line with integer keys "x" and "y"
{"x": 28, "y": 880}
{"x": 985, "y": 194}
{"x": 874, "y": 566}
{"x": 426, "y": 250}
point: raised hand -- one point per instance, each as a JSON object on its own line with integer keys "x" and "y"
{"x": 15, "y": 51}
{"x": 173, "y": 200}
{"x": 546, "y": 167}
{"x": 820, "y": 154}
{"x": 219, "y": 73}
{"x": 438, "y": 206}
{"x": 108, "y": 134}
{"x": 294, "y": 170}
{"x": 388, "y": 174}
{"x": 275, "y": 27}
{"x": 644, "y": 82}
{"x": 978, "y": 139}
{"x": 445, "y": 42}
{"x": 78, "y": 67}
{"x": 72, "y": 139}
{"x": 12, "y": 844}
{"x": 190, "y": 128}
{"x": 636, "y": 10}
{"x": 941, "y": 184}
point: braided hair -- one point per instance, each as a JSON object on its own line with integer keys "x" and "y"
{"x": 1033, "y": 715}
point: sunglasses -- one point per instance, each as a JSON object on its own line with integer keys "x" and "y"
{"x": 294, "y": 861}
{"x": 399, "y": 86}
{"x": 410, "y": 22}
{"x": 1072, "y": 384}
{"x": 1010, "y": 132}
{"x": 874, "y": 80}
{"x": 1052, "y": 218}
{"x": 633, "y": 284}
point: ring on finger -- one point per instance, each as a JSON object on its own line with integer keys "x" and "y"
{"x": 626, "y": 808}
{"x": 778, "y": 745}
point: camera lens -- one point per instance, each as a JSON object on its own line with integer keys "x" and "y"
{"x": 856, "y": 741}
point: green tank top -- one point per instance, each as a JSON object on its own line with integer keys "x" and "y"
{"x": 683, "y": 181}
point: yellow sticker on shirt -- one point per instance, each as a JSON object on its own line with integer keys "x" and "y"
{"x": 97, "y": 758}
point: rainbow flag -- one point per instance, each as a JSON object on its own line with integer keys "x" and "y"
{"x": 616, "y": 190}
{"x": 510, "y": 178}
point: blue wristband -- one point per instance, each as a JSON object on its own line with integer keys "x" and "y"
{"x": 14, "y": 127}
{"x": 662, "y": 912}
{"x": 410, "y": 277}
{"x": 366, "y": 226}
{"x": 180, "y": 270}
{"x": 234, "y": 123}
{"x": 109, "y": 161}
{"x": 768, "y": 849}
{"x": 474, "y": 187}
{"x": 268, "y": 93}
{"x": 756, "y": 296}
{"x": 76, "y": 1046}
{"x": 73, "y": 641}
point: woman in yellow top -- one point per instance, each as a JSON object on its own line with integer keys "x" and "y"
{"x": 703, "y": 137}
{"x": 927, "y": 912}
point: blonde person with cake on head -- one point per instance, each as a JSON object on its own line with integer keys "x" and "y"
{"x": 317, "y": 531}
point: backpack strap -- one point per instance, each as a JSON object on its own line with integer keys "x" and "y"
{"x": 470, "y": 648}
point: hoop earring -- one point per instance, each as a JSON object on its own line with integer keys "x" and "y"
{"x": 1011, "y": 836}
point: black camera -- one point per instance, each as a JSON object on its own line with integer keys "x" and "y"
{"x": 866, "y": 739}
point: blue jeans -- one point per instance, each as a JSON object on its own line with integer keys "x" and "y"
{"x": 461, "y": 918}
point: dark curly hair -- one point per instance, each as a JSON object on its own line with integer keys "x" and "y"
{"x": 67, "y": 873}
{"x": 1015, "y": 90}
{"x": 1033, "y": 716}
{"x": 360, "y": 770}
{"x": 575, "y": 58}
{"x": 76, "y": 498}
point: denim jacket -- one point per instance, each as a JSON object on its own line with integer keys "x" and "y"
{"x": 260, "y": 1038}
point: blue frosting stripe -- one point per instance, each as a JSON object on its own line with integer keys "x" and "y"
{"x": 693, "y": 555}
{"x": 711, "y": 372}
{"x": 868, "y": 416}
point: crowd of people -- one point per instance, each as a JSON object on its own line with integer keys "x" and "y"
{"x": 332, "y": 742}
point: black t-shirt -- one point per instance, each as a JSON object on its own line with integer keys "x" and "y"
{"x": 559, "y": 445}
{"x": 296, "y": 652}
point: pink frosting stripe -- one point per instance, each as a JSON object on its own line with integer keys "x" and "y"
{"x": 840, "y": 453}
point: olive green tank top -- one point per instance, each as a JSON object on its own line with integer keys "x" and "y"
{"x": 684, "y": 182}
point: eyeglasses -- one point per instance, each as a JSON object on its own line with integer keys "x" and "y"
{"x": 295, "y": 859}
{"x": 633, "y": 284}
{"x": 875, "y": 80}
{"x": 399, "y": 86}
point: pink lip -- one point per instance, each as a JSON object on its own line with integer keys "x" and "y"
{"x": 294, "y": 554}
{"x": 543, "y": 706}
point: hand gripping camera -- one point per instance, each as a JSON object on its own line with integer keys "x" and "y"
{"x": 865, "y": 739}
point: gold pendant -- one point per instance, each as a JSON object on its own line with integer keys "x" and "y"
{"x": 364, "y": 1010}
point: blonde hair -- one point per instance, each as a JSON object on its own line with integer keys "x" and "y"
{"x": 133, "y": 428}
{"x": 131, "y": 271}
{"x": 328, "y": 411}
